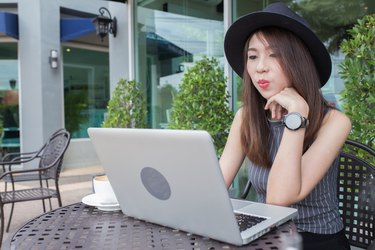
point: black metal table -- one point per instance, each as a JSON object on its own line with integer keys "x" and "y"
{"x": 79, "y": 226}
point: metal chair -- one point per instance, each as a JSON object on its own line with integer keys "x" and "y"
{"x": 11, "y": 159}
{"x": 246, "y": 190}
{"x": 50, "y": 161}
{"x": 356, "y": 193}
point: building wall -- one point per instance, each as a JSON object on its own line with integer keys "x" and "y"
{"x": 41, "y": 90}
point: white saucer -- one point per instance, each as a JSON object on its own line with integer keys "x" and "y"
{"x": 92, "y": 200}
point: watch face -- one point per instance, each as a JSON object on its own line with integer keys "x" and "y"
{"x": 293, "y": 121}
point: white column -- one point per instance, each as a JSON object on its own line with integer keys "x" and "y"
{"x": 41, "y": 91}
{"x": 119, "y": 55}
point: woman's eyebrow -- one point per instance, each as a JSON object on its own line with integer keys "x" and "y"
{"x": 252, "y": 49}
{"x": 255, "y": 49}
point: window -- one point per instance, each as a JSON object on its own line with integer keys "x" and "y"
{"x": 170, "y": 36}
{"x": 9, "y": 108}
{"x": 86, "y": 89}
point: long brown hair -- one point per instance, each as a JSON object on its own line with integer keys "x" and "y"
{"x": 298, "y": 65}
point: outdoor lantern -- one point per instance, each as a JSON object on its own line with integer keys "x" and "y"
{"x": 105, "y": 24}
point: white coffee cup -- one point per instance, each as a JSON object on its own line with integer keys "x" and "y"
{"x": 103, "y": 190}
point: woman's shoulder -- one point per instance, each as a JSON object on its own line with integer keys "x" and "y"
{"x": 336, "y": 119}
{"x": 336, "y": 115}
{"x": 237, "y": 121}
{"x": 239, "y": 113}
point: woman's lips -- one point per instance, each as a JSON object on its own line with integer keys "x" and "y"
{"x": 263, "y": 84}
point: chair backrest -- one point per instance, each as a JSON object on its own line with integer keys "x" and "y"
{"x": 356, "y": 193}
{"x": 53, "y": 153}
{"x": 41, "y": 150}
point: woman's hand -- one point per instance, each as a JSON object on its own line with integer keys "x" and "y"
{"x": 288, "y": 99}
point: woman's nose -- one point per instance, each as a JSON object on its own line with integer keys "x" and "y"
{"x": 262, "y": 65}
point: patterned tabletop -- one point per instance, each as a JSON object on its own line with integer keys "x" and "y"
{"x": 79, "y": 226}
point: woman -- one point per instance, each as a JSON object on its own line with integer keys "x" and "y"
{"x": 289, "y": 133}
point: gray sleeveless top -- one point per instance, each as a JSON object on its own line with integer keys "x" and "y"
{"x": 318, "y": 212}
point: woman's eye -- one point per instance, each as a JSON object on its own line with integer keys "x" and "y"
{"x": 252, "y": 57}
{"x": 274, "y": 54}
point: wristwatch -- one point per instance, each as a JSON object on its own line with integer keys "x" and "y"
{"x": 294, "y": 121}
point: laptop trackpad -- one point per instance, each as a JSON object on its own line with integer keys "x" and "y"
{"x": 238, "y": 204}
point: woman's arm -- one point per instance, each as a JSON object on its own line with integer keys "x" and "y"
{"x": 233, "y": 155}
{"x": 293, "y": 175}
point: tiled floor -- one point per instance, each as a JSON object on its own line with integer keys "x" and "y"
{"x": 75, "y": 183}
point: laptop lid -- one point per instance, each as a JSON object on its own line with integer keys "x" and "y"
{"x": 173, "y": 178}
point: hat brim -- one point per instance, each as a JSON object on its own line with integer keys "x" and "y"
{"x": 239, "y": 32}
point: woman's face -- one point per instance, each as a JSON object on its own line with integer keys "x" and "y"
{"x": 264, "y": 68}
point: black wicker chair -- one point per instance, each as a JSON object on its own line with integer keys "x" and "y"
{"x": 50, "y": 161}
{"x": 356, "y": 193}
{"x": 246, "y": 190}
{"x": 11, "y": 159}
{"x": 24, "y": 156}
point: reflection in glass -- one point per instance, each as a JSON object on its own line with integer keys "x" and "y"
{"x": 86, "y": 89}
{"x": 169, "y": 39}
{"x": 9, "y": 99}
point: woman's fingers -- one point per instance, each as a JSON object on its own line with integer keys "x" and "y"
{"x": 279, "y": 111}
{"x": 276, "y": 110}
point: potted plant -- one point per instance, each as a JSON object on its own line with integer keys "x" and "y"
{"x": 202, "y": 102}
{"x": 127, "y": 106}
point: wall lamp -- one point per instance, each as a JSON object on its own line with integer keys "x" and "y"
{"x": 53, "y": 59}
{"x": 105, "y": 24}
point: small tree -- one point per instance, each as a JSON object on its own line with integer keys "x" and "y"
{"x": 357, "y": 70}
{"x": 127, "y": 106}
{"x": 202, "y": 102}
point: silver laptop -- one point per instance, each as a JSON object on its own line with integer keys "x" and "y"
{"x": 173, "y": 178}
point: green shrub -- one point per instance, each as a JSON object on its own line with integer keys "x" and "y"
{"x": 202, "y": 102}
{"x": 127, "y": 106}
{"x": 358, "y": 72}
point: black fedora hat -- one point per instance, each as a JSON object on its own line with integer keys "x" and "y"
{"x": 276, "y": 15}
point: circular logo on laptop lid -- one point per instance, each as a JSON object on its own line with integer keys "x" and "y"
{"x": 155, "y": 183}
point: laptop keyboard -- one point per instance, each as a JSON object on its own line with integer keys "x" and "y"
{"x": 246, "y": 221}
